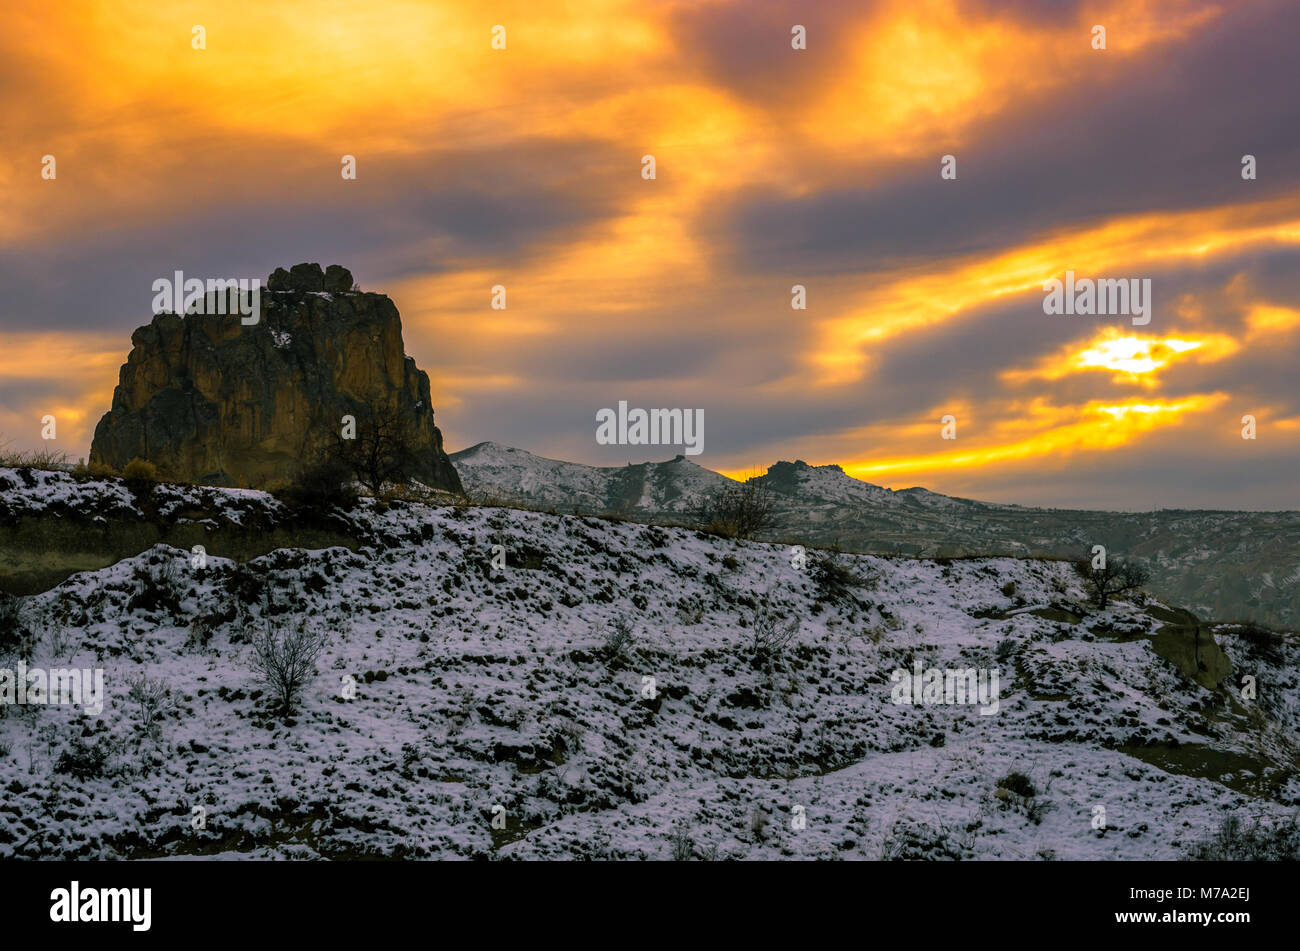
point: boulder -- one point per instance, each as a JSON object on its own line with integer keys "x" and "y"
{"x": 278, "y": 281}
{"x": 306, "y": 277}
{"x": 338, "y": 279}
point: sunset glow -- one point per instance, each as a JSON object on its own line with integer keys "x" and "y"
{"x": 775, "y": 167}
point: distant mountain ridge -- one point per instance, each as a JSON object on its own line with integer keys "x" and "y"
{"x": 653, "y": 489}
{"x": 1227, "y": 565}
{"x": 658, "y": 488}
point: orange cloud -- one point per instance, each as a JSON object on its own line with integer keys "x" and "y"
{"x": 82, "y": 371}
{"x": 1271, "y": 319}
{"x": 928, "y": 71}
{"x": 1130, "y": 357}
{"x": 1121, "y": 247}
{"x": 143, "y": 127}
{"x": 1096, "y": 426}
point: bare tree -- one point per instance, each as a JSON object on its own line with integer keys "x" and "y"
{"x": 743, "y": 510}
{"x": 285, "y": 661}
{"x": 383, "y": 449}
{"x": 1116, "y": 577}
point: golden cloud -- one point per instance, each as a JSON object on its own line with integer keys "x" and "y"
{"x": 1129, "y": 357}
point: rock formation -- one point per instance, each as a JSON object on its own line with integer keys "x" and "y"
{"x": 210, "y": 399}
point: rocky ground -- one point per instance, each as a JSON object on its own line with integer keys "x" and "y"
{"x": 510, "y": 684}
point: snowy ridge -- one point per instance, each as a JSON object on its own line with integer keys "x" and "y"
{"x": 1214, "y": 563}
{"x": 675, "y": 487}
{"x": 26, "y": 492}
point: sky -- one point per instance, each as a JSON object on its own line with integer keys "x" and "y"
{"x": 773, "y": 167}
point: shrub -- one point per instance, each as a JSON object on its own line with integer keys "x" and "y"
{"x": 743, "y": 510}
{"x": 683, "y": 845}
{"x": 834, "y": 581}
{"x": 1262, "y": 643}
{"x": 571, "y": 733}
{"x": 690, "y": 611}
{"x": 320, "y": 487}
{"x": 83, "y": 760}
{"x": 140, "y": 475}
{"x": 200, "y": 634}
{"x": 51, "y": 460}
{"x": 15, "y": 636}
{"x": 909, "y": 840}
{"x": 1018, "y": 783}
{"x": 463, "y": 709}
{"x": 1017, "y": 790}
{"x": 1234, "y": 841}
{"x": 770, "y": 634}
{"x": 140, "y": 470}
{"x": 874, "y": 633}
{"x": 156, "y": 588}
{"x": 150, "y": 699}
{"x": 285, "y": 661}
{"x": 245, "y": 586}
{"x": 1005, "y": 650}
{"x": 618, "y": 639}
{"x": 95, "y": 470}
{"x": 59, "y": 639}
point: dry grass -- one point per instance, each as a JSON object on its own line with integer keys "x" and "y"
{"x": 49, "y": 460}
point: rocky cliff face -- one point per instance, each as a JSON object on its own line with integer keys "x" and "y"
{"x": 210, "y": 399}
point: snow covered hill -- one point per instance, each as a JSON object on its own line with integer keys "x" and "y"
{"x": 515, "y": 684}
{"x": 829, "y": 484}
{"x": 1239, "y": 565}
{"x": 661, "y": 490}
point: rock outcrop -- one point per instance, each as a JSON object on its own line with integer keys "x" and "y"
{"x": 208, "y": 398}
